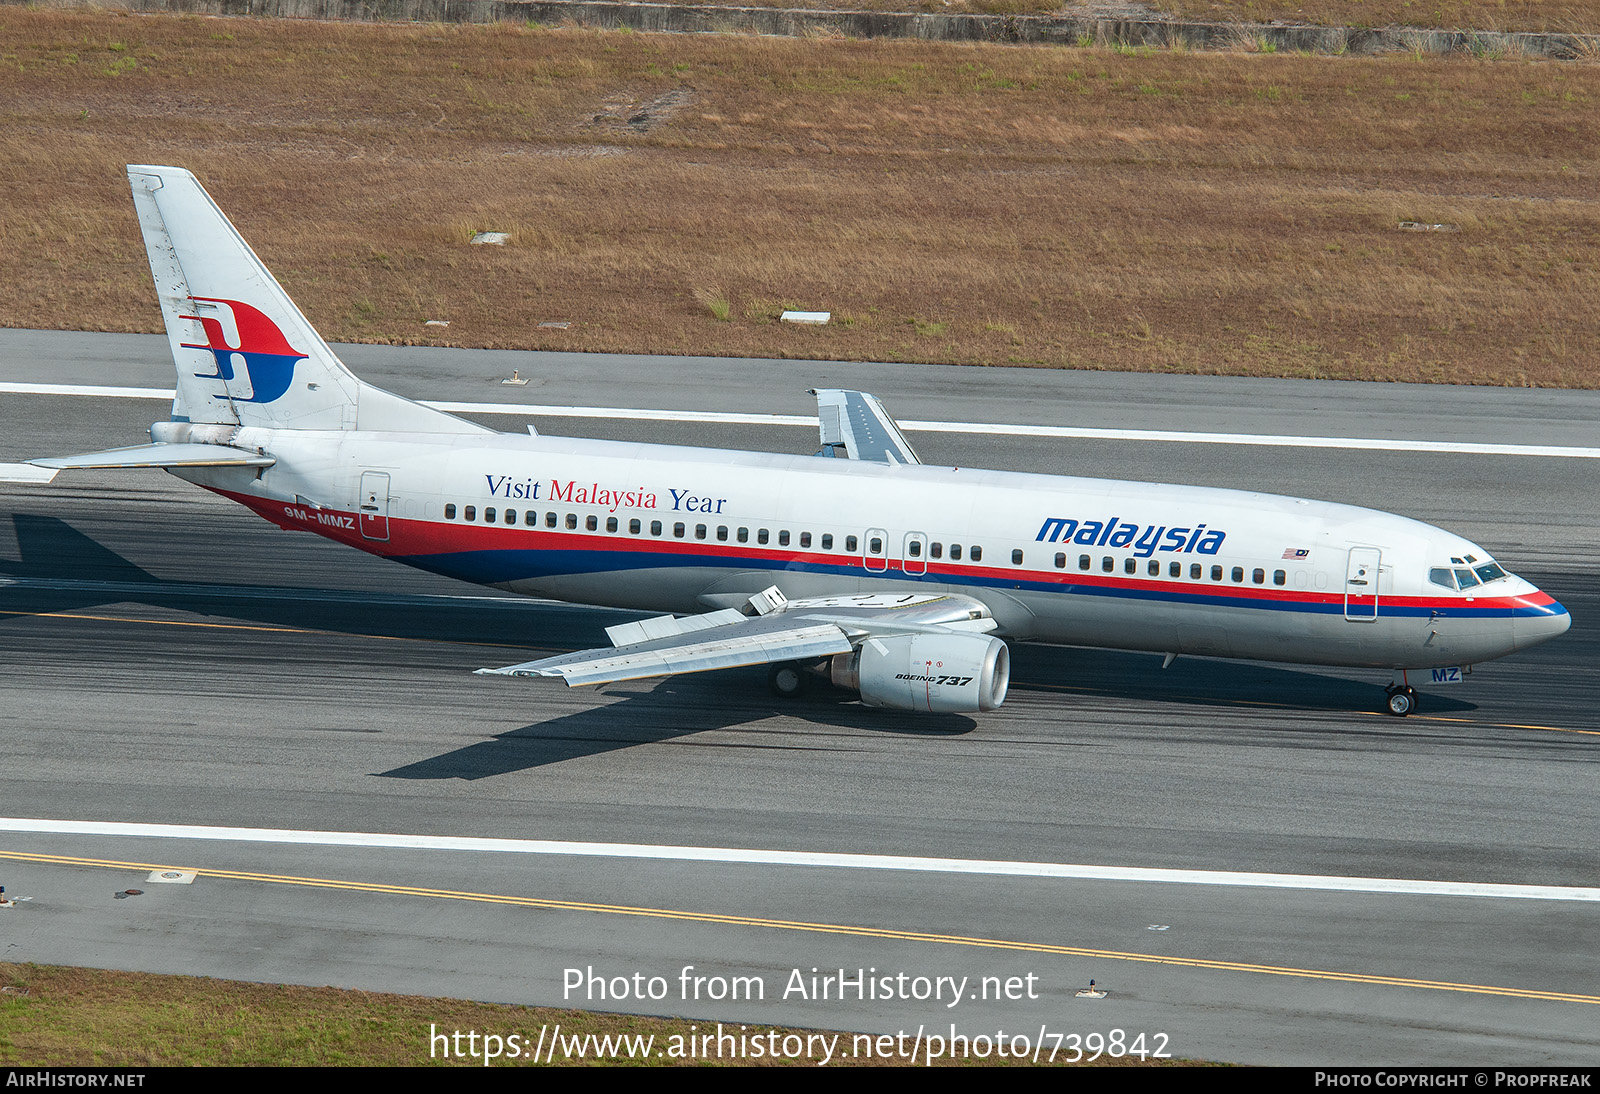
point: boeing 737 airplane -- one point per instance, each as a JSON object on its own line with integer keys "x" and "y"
{"x": 896, "y": 580}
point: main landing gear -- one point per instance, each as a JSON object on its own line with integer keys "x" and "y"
{"x": 787, "y": 680}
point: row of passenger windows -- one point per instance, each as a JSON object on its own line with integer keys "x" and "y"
{"x": 936, "y": 550}
{"x": 530, "y": 519}
{"x": 875, "y": 546}
{"x": 1197, "y": 572}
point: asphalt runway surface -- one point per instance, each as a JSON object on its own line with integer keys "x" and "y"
{"x": 171, "y": 660}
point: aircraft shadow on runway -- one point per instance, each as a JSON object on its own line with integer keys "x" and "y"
{"x": 52, "y": 550}
{"x": 61, "y": 569}
{"x": 652, "y": 712}
{"x": 1114, "y": 674}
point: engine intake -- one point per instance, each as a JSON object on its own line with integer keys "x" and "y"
{"x": 934, "y": 673}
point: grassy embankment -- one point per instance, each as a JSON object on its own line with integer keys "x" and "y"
{"x": 1173, "y": 212}
{"x": 91, "y": 1018}
{"x": 1566, "y": 16}
{"x": 1562, "y": 16}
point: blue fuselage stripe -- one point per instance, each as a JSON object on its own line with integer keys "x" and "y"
{"x": 500, "y": 567}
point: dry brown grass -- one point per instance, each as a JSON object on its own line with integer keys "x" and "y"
{"x": 1563, "y": 16}
{"x": 982, "y": 204}
{"x": 937, "y": 7}
{"x": 1568, "y": 16}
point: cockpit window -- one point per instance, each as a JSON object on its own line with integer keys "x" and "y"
{"x": 1467, "y": 573}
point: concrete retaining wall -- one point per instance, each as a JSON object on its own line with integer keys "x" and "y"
{"x": 791, "y": 22}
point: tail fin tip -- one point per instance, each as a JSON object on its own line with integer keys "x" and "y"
{"x": 245, "y": 354}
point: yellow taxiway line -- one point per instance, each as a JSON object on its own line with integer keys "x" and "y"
{"x": 1053, "y": 949}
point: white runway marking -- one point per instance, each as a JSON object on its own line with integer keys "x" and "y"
{"x": 742, "y": 856}
{"x": 524, "y": 410}
{"x": 631, "y": 413}
{"x": 11, "y": 388}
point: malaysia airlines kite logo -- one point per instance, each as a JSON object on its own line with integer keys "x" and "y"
{"x": 256, "y": 346}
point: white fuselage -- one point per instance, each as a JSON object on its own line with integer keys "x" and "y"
{"x": 1079, "y": 561}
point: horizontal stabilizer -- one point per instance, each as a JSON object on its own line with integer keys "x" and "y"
{"x": 855, "y": 425}
{"x": 26, "y": 473}
{"x": 159, "y": 455}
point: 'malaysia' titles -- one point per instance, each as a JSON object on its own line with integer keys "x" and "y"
{"x": 1146, "y": 540}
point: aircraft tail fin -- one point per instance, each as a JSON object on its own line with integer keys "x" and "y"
{"x": 245, "y": 354}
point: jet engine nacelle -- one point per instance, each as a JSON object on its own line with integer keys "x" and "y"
{"x": 939, "y": 673}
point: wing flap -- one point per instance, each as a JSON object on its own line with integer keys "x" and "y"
{"x": 665, "y": 626}
{"x": 749, "y": 643}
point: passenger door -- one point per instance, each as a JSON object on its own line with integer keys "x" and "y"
{"x": 914, "y": 559}
{"x": 373, "y": 505}
{"x": 1361, "y": 585}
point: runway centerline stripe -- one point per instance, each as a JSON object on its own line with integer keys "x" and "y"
{"x": 757, "y": 857}
{"x": 100, "y": 391}
{"x": 166, "y": 622}
{"x": 723, "y": 919}
{"x": 273, "y": 630}
{"x": 1065, "y": 432}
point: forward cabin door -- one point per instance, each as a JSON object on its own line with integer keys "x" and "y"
{"x": 1361, "y": 585}
{"x": 374, "y": 505}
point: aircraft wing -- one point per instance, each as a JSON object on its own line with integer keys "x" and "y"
{"x": 726, "y": 646}
{"x": 857, "y": 423}
{"x": 783, "y": 630}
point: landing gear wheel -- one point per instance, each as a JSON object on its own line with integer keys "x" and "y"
{"x": 787, "y": 680}
{"x": 1402, "y": 701}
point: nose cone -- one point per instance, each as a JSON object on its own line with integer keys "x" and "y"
{"x": 1538, "y": 617}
